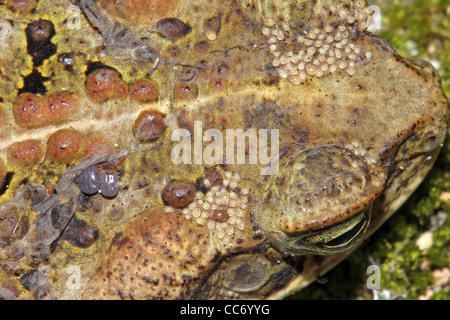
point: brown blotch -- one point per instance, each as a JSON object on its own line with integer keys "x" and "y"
{"x": 21, "y": 6}
{"x": 144, "y": 91}
{"x": 149, "y": 126}
{"x": 102, "y": 84}
{"x": 59, "y": 107}
{"x": 172, "y": 28}
{"x": 64, "y": 145}
{"x": 13, "y": 225}
{"x": 25, "y": 153}
{"x": 79, "y": 233}
{"x": 29, "y": 111}
{"x": 185, "y": 91}
{"x": 179, "y": 194}
{"x": 202, "y": 47}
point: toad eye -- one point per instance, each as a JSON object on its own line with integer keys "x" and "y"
{"x": 336, "y": 238}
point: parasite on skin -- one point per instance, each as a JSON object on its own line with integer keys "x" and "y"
{"x": 89, "y": 180}
{"x": 108, "y": 184}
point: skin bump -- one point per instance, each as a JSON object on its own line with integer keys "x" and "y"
{"x": 179, "y": 194}
{"x": 25, "y": 153}
{"x": 21, "y": 6}
{"x": 144, "y": 91}
{"x": 64, "y": 146}
{"x": 29, "y": 111}
{"x": 60, "y": 107}
{"x": 102, "y": 84}
{"x": 149, "y": 126}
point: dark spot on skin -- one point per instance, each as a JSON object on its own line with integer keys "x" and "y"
{"x": 257, "y": 237}
{"x": 178, "y": 194}
{"x": 79, "y": 233}
{"x": 202, "y": 47}
{"x": 39, "y": 46}
{"x": 59, "y": 215}
{"x": 95, "y": 65}
{"x": 34, "y": 83}
{"x": 84, "y": 202}
{"x": 63, "y": 145}
{"x": 172, "y": 28}
{"x": 116, "y": 237}
{"x": 115, "y": 214}
{"x": 6, "y": 182}
{"x": 30, "y": 279}
{"x": 21, "y": 6}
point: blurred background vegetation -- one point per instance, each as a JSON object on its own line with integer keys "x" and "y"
{"x": 417, "y": 29}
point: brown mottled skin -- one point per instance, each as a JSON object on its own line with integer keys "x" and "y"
{"x": 112, "y": 94}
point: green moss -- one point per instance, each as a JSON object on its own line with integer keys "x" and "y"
{"x": 418, "y": 29}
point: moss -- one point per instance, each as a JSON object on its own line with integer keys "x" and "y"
{"x": 419, "y": 30}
